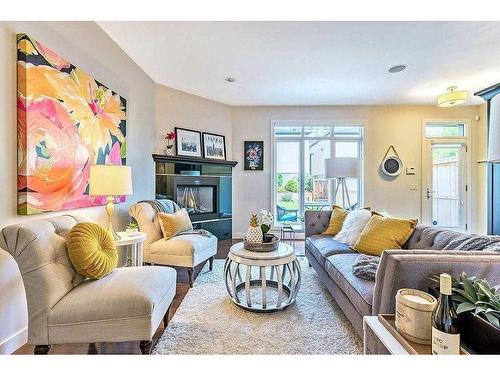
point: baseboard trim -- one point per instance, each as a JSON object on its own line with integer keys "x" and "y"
{"x": 14, "y": 342}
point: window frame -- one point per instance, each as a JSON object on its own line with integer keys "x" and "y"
{"x": 301, "y": 140}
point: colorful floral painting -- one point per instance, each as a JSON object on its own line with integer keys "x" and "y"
{"x": 66, "y": 122}
{"x": 254, "y": 155}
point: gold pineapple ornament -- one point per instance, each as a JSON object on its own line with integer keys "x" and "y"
{"x": 254, "y": 232}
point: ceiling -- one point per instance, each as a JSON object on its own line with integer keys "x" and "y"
{"x": 314, "y": 63}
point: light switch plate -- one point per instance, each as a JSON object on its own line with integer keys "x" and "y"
{"x": 410, "y": 171}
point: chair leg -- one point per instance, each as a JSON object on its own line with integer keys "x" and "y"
{"x": 41, "y": 349}
{"x": 92, "y": 348}
{"x": 191, "y": 276}
{"x": 165, "y": 318}
{"x": 146, "y": 346}
{"x": 211, "y": 263}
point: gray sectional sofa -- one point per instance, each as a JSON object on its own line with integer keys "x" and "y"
{"x": 421, "y": 257}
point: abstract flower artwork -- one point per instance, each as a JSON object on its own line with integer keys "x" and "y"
{"x": 253, "y": 155}
{"x": 66, "y": 122}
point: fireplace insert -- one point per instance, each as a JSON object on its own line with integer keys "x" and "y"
{"x": 197, "y": 199}
{"x": 199, "y": 195}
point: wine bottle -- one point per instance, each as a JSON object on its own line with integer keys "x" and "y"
{"x": 445, "y": 335}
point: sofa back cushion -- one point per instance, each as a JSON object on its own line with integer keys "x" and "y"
{"x": 428, "y": 237}
{"x": 39, "y": 248}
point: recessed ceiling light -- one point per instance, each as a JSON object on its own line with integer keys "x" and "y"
{"x": 397, "y": 68}
{"x": 230, "y": 79}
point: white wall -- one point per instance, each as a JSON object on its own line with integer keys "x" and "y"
{"x": 85, "y": 45}
{"x": 179, "y": 109}
{"x": 384, "y": 125}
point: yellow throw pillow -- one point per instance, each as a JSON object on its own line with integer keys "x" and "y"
{"x": 173, "y": 224}
{"x": 336, "y": 220}
{"x": 384, "y": 233}
{"x": 92, "y": 250}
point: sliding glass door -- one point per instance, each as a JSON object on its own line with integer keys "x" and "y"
{"x": 300, "y": 150}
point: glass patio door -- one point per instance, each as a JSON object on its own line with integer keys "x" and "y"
{"x": 288, "y": 181}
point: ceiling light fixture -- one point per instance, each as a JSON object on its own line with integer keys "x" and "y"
{"x": 397, "y": 68}
{"x": 452, "y": 97}
{"x": 230, "y": 79}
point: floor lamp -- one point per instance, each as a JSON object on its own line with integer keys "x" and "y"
{"x": 340, "y": 169}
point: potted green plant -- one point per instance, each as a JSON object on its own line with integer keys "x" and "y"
{"x": 132, "y": 228}
{"x": 478, "y": 309}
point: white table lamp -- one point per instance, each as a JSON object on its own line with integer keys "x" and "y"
{"x": 110, "y": 181}
{"x": 342, "y": 168}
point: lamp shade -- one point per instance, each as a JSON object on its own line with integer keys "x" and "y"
{"x": 452, "y": 97}
{"x": 342, "y": 167}
{"x": 110, "y": 180}
{"x": 494, "y": 130}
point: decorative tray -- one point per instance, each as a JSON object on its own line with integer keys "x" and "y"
{"x": 263, "y": 247}
{"x": 389, "y": 322}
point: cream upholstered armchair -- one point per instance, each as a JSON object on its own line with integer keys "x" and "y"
{"x": 64, "y": 307}
{"x": 186, "y": 250}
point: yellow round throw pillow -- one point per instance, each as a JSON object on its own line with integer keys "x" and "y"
{"x": 92, "y": 250}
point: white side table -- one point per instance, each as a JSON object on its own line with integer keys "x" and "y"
{"x": 276, "y": 292}
{"x": 133, "y": 244}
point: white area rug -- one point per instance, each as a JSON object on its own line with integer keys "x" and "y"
{"x": 207, "y": 322}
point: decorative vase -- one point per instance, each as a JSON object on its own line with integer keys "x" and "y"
{"x": 169, "y": 151}
{"x": 254, "y": 232}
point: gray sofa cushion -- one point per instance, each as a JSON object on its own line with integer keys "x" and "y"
{"x": 430, "y": 238}
{"x": 359, "y": 291}
{"x": 323, "y": 246}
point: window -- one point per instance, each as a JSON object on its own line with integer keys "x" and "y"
{"x": 300, "y": 150}
{"x": 444, "y": 130}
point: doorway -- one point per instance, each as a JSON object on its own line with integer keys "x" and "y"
{"x": 445, "y": 176}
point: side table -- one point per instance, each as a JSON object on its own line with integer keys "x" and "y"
{"x": 288, "y": 234}
{"x": 274, "y": 284}
{"x": 133, "y": 245}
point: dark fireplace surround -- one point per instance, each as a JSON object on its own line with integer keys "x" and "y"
{"x": 202, "y": 186}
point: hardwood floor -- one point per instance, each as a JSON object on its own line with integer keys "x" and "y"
{"x": 132, "y": 347}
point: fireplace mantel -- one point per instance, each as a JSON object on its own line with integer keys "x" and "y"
{"x": 191, "y": 160}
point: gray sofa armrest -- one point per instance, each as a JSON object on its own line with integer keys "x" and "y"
{"x": 412, "y": 269}
{"x": 315, "y": 222}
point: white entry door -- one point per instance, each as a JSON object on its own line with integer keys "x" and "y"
{"x": 444, "y": 179}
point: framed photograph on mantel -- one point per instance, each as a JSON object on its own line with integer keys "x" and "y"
{"x": 253, "y": 154}
{"x": 188, "y": 142}
{"x": 214, "y": 146}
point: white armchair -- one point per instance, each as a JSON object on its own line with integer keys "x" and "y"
{"x": 186, "y": 250}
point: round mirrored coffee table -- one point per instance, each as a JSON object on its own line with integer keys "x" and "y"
{"x": 262, "y": 282}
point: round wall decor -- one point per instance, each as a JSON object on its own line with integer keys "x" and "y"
{"x": 391, "y": 165}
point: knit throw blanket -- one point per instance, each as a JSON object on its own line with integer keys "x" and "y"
{"x": 157, "y": 205}
{"x": 366, "y": 267}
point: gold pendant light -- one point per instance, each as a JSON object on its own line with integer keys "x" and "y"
{"x": 452, "y": 97}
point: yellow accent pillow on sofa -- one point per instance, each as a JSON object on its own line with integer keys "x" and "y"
{"x": 92, "y": 250}
{"x": 336, "y": 220}
{"x": 172, "y": 224}
{"x": 384, "y": 233}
